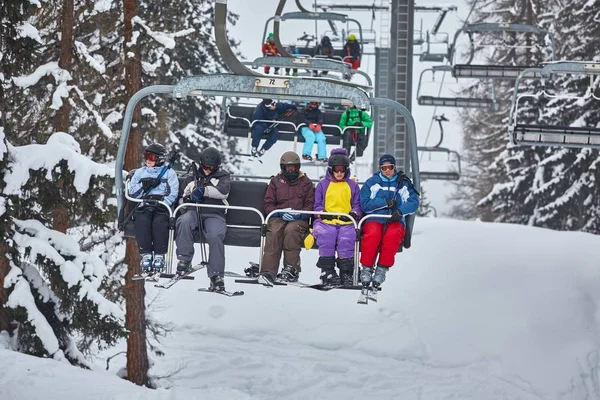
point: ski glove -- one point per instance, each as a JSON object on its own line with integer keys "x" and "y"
{"x": 312, "y": 127}
{"x": 317, "y": 128}
{"x": 396, "y": 216}
{"x": 346, "y": 219}
{"x": 149, "y": 183}
{"x": 290, "y": 217}
{"x": 358, "y": 123}
{"x": 197, "y": 194}
{"x": 391, "y": 203}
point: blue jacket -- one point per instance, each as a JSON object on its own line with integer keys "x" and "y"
{"x": 262, "y": 112}
{"x": 168, "y": 187}
{"x": 378, "y": 188}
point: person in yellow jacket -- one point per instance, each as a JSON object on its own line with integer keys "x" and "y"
{"x": 337, "y": 192}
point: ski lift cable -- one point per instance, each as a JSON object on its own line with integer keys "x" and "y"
{"x": 442, "y": 81}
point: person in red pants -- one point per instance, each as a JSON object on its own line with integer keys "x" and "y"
{"x": 387, "y": 192}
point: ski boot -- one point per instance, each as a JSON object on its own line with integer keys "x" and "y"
{"x": 289, "y": 274}
{"x": 321, "y": 160}
{"x": 254, "y": 152}
{"x": 184, "y": 267}
{"x": 379, "y": 276}
{"x": 366, "y": 276}
{"x": 306, "y": 157}
{"x": 252, "y": 271}
{"x": 346, "y": 267}
{"x": 159, "y": 263}
{"x": 328, "y": 275}
{"x": 217, "y": 284}
{"x": 146, "y": 262}
{"x": 266, "y": 278}
{"x": 261, "y": 152}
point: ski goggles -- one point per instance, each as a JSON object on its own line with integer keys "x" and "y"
{"x": 208, "y": 167}
{"x": 386, "y": 168}
{"x": 273, "y": 103}
{"x": 291, "y": 168}
{"x": 151, "y": 156}
{"x": 339, "y": 169}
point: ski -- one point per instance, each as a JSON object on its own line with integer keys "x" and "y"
{"x": 143, "y": 276}
{"x": 223, "y": 292}
{"x": 177, "y": 277}
{"x": 372, "y": 294}
{"x": 256, "y": 282}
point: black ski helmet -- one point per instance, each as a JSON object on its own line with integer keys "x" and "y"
{"x": 290, "y": 158}
{"x": 211, "y": 157}
{"x": 160, "y": 151}
{"x": 338, "y": 157}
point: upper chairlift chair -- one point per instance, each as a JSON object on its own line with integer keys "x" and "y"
{"x": 444, "y": 101}
{"x": 573, "y": 135}
{"x": 433, "y": 36}
{"x": 453, "y": 175}
{"x": 467, "y": 70}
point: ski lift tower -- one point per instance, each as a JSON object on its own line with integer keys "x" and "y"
{"x": 393, "y": 71}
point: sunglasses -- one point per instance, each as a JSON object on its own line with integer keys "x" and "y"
{"x": 208, "y": 167}
{"x": 339, "y": 169}
{"x": 386, "y": 168}
{"x": 151, "y": 156}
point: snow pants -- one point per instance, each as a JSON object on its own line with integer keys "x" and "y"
{"x": 332, "y": 237}
{"x": 152, "y": 229}
{"x": 214, "y": 230}
{"x": 259, "y": 129}
{"x": 353, "y": 136}
{"x": 310, "y": 137}
{"x": 286, "y": 237}
{"x": 391, "y": 239}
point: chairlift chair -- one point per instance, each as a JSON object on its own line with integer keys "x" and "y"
{"x": 468, "y": 70}
{"x": 553, "y": 135}
{"x": 442, "y": 175}
{"x": 464, "y": 102}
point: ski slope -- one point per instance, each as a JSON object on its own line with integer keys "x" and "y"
{"x": 472, "y": 311}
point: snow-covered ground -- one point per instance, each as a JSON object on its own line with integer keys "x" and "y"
{"x": 471, "y": 311}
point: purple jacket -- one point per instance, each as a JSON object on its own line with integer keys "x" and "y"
{"x": 333, "y": 196}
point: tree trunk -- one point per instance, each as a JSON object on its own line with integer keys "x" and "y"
{"x": 135, "y": 320}
{"x": 5, "y": 317}
{"x": 60, "y": 220}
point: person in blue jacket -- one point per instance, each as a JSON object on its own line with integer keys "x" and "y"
{"x": 387, "y": 192}
{"x": 154, "y": 181}
{"x": 268, "y": 110}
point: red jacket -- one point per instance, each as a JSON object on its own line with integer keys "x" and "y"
{"x": 299, "y": 195}
{"x": 269, "y": 48}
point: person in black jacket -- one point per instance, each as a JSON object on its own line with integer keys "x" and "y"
{"x": 313, "y": 132}
{"x": 210, "y": 186}
{"x": 265, "y": 120}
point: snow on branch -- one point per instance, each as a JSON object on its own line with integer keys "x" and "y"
{"x": 97, "y": 117}
{"x": 28, "y": 30}
{"x": 3, "y": 148}
{"x": 60, "y": 75}
{"x": 60, "y": 146}
{"x": 96, "y": 61}
{"x": 81, "y": 268}
{"x": 166, "y": 39}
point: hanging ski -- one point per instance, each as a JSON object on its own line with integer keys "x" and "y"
{"x": 177, "y": 277}
{"x": 223, "y": 292}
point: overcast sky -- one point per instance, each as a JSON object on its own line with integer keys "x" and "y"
{"x": 249, "y": 30}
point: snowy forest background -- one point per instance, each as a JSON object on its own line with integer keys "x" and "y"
{"x": 68, "y": 69}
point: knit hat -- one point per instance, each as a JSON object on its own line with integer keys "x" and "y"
{"x": 387, "y": 158}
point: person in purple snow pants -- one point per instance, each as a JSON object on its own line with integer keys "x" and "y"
{"x": 339, "y": 194}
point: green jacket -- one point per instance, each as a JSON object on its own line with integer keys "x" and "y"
{"x": 354, "y": 115}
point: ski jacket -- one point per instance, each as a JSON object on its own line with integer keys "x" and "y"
{"x": 216, "y": 189}
{"x": 262, "y": 112}
{"x": 298, "y": 195}
{"x": 378, "y": 188}
{"x": 168, "y": 187}
{"x": 337, "y": 196}
{"x": 324, "y": 50}
{"x": 353, "y": 115}
{"x": 313, "y": 116}
{"x": 269, "y": 49}
{"x": 352, "y": 49}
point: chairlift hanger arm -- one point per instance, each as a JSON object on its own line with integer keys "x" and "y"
{"x": 276, "y": 27}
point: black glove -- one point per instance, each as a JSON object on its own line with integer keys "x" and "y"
{"x": 396, "y": 216}
{"x": 391, "y": 203}
{"x": 346, "y": 219}
{"x": 149, "y": 183}
{"x": 354, "y": 215}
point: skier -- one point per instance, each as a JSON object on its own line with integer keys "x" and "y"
{"x": 269, "y": 110}
{"x": 358, "y": 120}
{"x": 211, "y": 186}
{"x": 352, "y": 51}
{"x": 312, "y": 132}
{"x": 291, "y": 49}
{"x": 269, "y": 49}
{"x": 324, "y": 49}
{"x": 387, "y": 192}
{"x": 286, "y": 230}
{"x": 337, "y": 192}
{"x": 154, "y": 181}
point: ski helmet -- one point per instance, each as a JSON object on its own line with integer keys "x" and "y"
{"x": 210, "y": 157}
{"x": 289, "y": 158}
{"x": 325, "y": 40}
{"x": 338, "y": 157}
{"x": 159, "y": 151}
{"x": 351, "y": 37}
